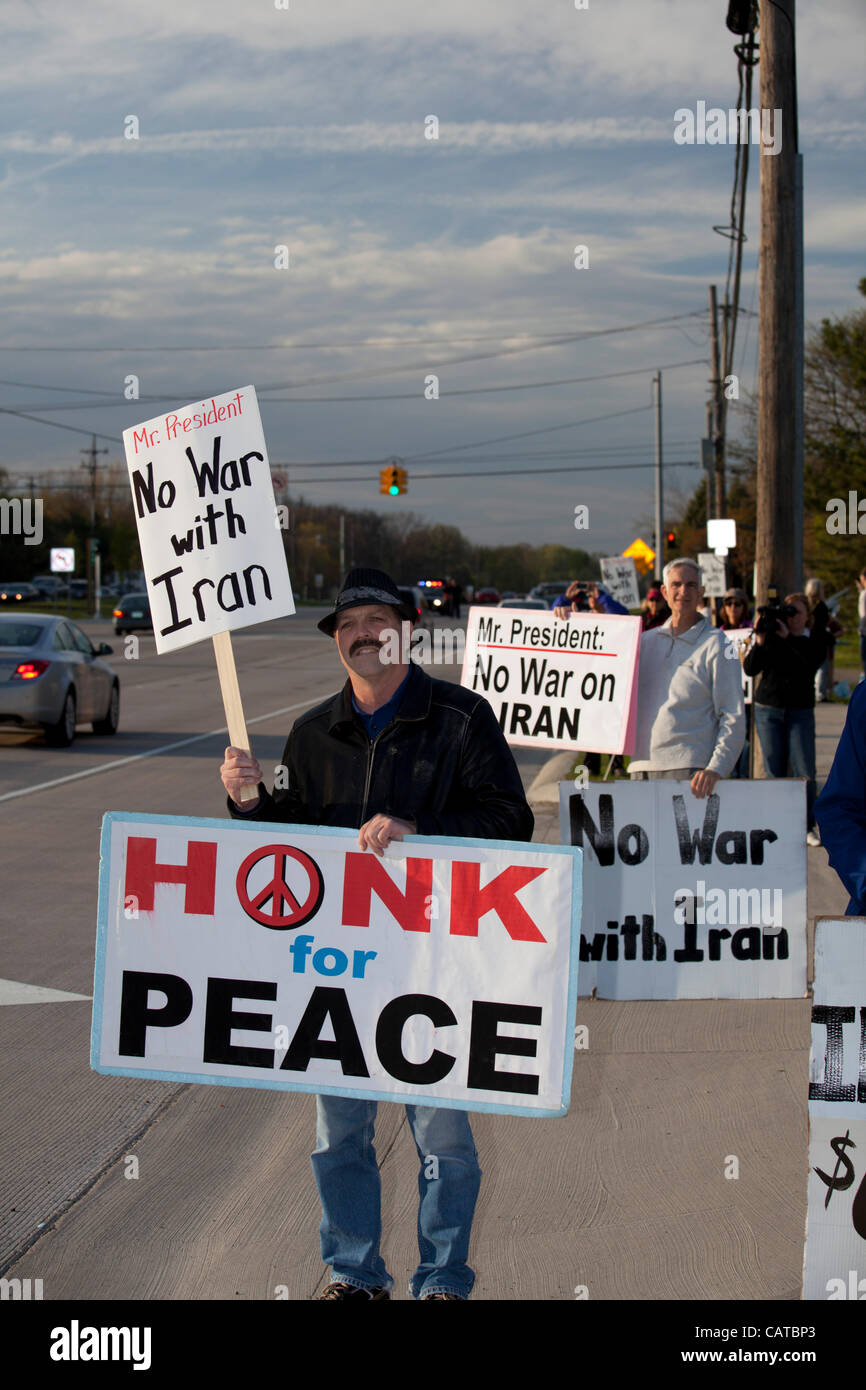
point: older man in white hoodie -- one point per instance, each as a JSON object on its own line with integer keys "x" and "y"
{"x": 690, "y": 720}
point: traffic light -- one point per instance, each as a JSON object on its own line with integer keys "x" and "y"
{"x": 393, "y": 480}
{"x": 671, "y": 539}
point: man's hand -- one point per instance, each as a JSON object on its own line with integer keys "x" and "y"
{"x": 703, "y": 783}
{"x": 563, "y": 612}
{"x": 377, "y": 834}
{"x": 240, "y": 769}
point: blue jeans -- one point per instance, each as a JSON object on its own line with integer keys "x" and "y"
{"x": 788, "y": 740}
{"x": 347, "y": 1176}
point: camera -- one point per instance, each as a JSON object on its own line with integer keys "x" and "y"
{"x": 771, "y": 613}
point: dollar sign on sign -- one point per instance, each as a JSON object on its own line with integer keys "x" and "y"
{"x": 837, "y": 1184}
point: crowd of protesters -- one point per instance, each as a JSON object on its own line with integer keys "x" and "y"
{"x": 692, "y": 720}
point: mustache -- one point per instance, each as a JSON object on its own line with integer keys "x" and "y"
{"x": 365, "y": 642}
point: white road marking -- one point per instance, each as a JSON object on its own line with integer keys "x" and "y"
{"x": 152, "y": 752}
{"x": 14, "y": 992}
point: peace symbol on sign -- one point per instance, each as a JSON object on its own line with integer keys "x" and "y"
{"x": 277, "y": 890}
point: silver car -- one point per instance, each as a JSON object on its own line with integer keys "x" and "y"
{"x": 50, "y": 674}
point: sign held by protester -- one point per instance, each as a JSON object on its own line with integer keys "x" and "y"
{"x": 556, "y": 683}
{"x": 834, "y": 1266}
{"x": 688, "y": 897}
{"x": 619, "y": 577}
{"x": 738, "y": 640}
{"x": 212, "y": 551}
{"x": 284, "y": 957}
{"x": 712, "y": 574}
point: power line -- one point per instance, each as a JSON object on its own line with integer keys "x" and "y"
{"x": 346, "y": 342}
{"x": 525, "y": 434}
{"x": 402, "y": 396}
{"x": 4, "y": 410}
{"x": 484, "y": 390}
{"x": 514, "y": 472}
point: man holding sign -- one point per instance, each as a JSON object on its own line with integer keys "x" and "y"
{"x": 394, "y": 753}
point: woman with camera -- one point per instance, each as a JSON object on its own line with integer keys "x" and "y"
{"x": 786, "y": 654}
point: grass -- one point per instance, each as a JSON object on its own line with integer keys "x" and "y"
{"x": 75, "y": 608}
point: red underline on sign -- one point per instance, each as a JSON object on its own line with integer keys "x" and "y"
{"x": 566, "y": 651}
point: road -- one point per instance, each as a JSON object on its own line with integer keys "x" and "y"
{"x": 625, "y": 1197}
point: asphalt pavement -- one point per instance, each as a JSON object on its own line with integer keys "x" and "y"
{"x": 624, "y": 1198}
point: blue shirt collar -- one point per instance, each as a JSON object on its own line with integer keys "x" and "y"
{"x": 380, "y": 718}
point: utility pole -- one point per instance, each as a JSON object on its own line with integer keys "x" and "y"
{"x": 660, "y": 534}
{"x": 91, "y": 466}
{"x": 342, "y": 545}
{"x": 717, "y": 400}
{"x": 778, "y": 542}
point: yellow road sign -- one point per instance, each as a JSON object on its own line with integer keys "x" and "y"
{"x": 643, "y": 556}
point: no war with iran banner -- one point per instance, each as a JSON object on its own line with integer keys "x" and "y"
{"x": 688, "y": 897}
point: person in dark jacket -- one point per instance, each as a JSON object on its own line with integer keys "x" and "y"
{"x": 787, "y": 658}
{"x": 394, "y": 753}
{"x": 841, "y": 808}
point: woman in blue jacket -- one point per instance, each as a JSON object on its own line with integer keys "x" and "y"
{"x": 841, "y": 808}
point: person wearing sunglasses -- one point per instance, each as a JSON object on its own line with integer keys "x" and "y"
{"x": 735, "y": 610}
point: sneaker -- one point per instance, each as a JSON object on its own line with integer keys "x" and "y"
{"x": 813, "y": 838}
{"x": 339, "y": 1290}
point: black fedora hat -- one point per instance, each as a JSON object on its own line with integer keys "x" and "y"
{"x": 366, "y": 587}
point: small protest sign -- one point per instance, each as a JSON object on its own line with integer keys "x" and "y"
{"x": 284, "y": 957}
{"x": 556, "y": 683}
{"x": 712, "y": 574}
{"x": 834, "y": 1266}
{"x": 212, "y": 551}
{"x": 619, "y": 577}
{"x": 688, "y": 897}
{"x": 738, "y": 640}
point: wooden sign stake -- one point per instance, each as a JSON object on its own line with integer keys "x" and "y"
{"x": 228, "y": 676}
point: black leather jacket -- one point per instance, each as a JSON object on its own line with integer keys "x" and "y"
{"x": 442, "y": 762}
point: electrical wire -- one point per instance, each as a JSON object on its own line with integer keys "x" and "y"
{"x": 402, "y": 396}
{"x": 360, "y": 342}
{"x": 524, "y": 434}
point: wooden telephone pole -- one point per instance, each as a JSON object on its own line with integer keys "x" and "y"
{"x": 779, "y": 547}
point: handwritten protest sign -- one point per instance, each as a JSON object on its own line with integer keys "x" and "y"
{"x": 712, "y": 574}
{"x": 282, "y": 956}
{"x": 738, "y": 640}
{"x": 619, "y": 576}
{"x": 835, "y": 1258}
{"x": 688, "y": 897}
{"x": 213, "y": 554}
{"x": 556, "y": 683}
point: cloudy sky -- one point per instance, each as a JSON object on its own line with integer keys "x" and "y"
{"x": 304, "y": 127}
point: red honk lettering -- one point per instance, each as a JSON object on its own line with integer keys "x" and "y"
{"x": 198, "y": 874}
{"x": 469, "y": 902}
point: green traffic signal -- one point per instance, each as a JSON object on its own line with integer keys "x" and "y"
{"x": 394, "y": 490}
